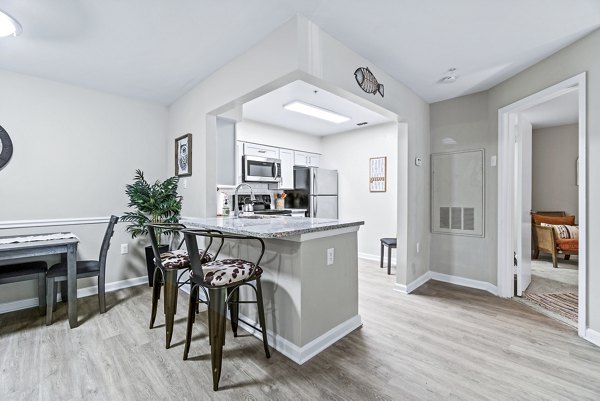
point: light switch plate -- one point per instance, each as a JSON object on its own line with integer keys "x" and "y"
{"x": 124, "y": 249}
{"x": 493, "y": 161}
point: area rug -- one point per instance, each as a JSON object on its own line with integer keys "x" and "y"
{"x": 565, "y": 304}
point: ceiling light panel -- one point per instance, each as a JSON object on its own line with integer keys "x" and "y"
{"x": 315, "y": 111}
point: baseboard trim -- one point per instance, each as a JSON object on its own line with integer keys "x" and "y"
{"x": 410, "y": 287}
{"x": 376, "y": 258}
{"x": 465, "y": 282}
{"x": 19, "y": 305}
{"x": 302, "y": 354}
{"x": 81, "y": 292}
{"x": 592, "y": 336}
{"x": 53, "y": 222}
{"x": 446, "y": 278}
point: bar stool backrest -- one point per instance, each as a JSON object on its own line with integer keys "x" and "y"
{"x": 152, "y": 228}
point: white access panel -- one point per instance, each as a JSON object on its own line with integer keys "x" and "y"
{"x": 457, "y": 193}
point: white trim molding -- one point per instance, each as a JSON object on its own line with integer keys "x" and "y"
{"x": 465, "y": 282}
{"x": 376, "y": 258}
{"x": 410, "y": 287}
{"x": 76, "y": 221}
{"x": 506, "y": 189}
{"x": 446, "y": 278}
{"x": 302, "y": 354}
{"x": 592, "y": 336}
{"x": 81, "y": 292}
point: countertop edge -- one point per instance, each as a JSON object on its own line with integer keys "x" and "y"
{"x": 197, "y": 222}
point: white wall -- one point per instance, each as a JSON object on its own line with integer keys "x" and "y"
{"x": 555, "y": 152}
{"x": 462, "y": 124}
{"x": 193, "y": 112}
{"x": 74, "y": 151}
{"x": 257, "y": 132}
{"x": 300, "y": 50}
{"x": 568, "y": 62}
{"x": 334, "y": 64}
{"x": 349, "y": 153}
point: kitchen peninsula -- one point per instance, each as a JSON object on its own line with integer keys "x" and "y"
{"x": 310, "y": 278}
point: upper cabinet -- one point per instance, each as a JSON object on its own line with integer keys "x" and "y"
{"x": 287, "y": 169}
{"x": 289, "y": 159}
{"x": 253, "y": 149}
{"x": 306, "y": 159}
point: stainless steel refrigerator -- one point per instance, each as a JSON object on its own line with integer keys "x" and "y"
{"x": 316, "y": 189}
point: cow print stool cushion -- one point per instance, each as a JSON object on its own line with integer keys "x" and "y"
{"x": 179, "y": 259}
{"x": 227, "y": 271}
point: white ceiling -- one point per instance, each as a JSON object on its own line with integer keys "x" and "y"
{"x": 269, "y": 109}
{"x": 561, "y": 110}
{"x": 158, "y": 49}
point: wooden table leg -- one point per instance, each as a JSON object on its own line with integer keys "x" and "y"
{"x": 72, "y": 284}
{"x": 170, "y": 302}
{"x": 216, "y": 311}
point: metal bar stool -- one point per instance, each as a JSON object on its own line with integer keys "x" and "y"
{"x": 223, "y": 279}
{"x": 390, "y": 243}
{"x": 168, "y": 265}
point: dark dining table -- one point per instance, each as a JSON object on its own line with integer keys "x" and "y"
{"x": 66, "y": 247}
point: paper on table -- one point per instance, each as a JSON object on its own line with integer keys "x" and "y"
{"x": 41, "y": 237}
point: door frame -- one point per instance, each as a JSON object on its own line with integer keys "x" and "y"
{"x": 506, "y": 189}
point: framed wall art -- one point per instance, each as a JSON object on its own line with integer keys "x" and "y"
{"x": 377, "y": 174}
{"x": 183, "y": 155}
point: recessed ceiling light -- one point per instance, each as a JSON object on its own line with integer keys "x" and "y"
{"x": 9, "y": 26}
{"x": 315, "y": 111}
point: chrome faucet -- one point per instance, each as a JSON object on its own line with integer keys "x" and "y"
{"x": 236, "y": 207}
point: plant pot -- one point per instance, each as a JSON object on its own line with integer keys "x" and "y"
{"x": 150, "y": 260}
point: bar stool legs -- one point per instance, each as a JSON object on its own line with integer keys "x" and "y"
{"x": 216, "y": 324}
{"x": 234, "y": 309}
{"x": 171, "y": 290}
{"x": 261, "y": 317}
{"x": 156, "y": 285}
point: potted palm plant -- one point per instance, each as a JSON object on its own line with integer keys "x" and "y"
{"x": 151, "y": 203}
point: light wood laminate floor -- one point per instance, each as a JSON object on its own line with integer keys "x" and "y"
{"x": 442, "y": 342}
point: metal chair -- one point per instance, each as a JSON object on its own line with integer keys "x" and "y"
{"x": 168, "y": 265}
{"x": 24, "y": 272}
{"x": 85, "y": 268}
{"x": 222, "y": 279}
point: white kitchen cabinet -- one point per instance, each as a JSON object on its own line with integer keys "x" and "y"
{"x": 253, "y": 149}
{"x": 287, "y": 168}
{"x": 300, "y": 158}
{"x": 313, "y": 159}
{"x": 239, "y": 152}
{"x": 306, "y": 159}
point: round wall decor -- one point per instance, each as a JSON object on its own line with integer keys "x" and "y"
{"x": 6, "y": 147}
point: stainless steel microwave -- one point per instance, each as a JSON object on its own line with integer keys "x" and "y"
{"x": 260, "y": 169}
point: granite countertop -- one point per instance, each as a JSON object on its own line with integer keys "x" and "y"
{"x": 270, "y": 227}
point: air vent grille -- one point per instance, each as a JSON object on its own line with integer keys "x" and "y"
{"x": 457, "y": 218}
{"x": 469, "y": 218}
{"x": 445, "y": 217}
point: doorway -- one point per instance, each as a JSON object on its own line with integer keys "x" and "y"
{"x": 515, "y": 228}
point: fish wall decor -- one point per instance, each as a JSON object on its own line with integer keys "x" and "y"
{"x": 367, "y": 81}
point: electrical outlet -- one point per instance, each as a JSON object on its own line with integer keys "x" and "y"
{"x": 124, "y": 249}
{"x": 418, "y": 247}
{"x": 330, "y": 256}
